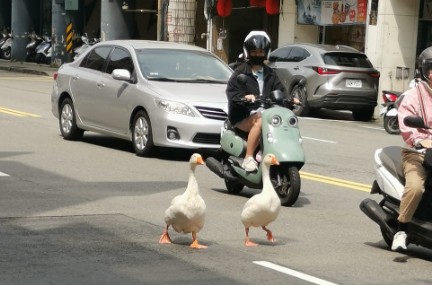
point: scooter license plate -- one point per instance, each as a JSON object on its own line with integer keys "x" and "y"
{"x": 353, "y": 83}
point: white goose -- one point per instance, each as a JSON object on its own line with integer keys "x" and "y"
{"x": 187, "y": 211}
{"x": 263, "y": 208}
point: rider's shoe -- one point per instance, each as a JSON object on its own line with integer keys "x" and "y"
{"x": 249, "y": 164}
{"x": 399, "y": 241}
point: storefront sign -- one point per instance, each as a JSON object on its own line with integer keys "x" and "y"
{"x": 331, "y": 12}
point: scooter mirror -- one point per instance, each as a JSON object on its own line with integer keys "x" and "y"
{"x": 242, "y": 79}
{"x": 277, "y": 96}
{"x": 415, "y": 122}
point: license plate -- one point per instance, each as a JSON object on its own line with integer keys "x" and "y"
{"x": 353, "y": 83}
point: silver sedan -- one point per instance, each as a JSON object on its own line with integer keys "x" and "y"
{"x": 151, "y": 93}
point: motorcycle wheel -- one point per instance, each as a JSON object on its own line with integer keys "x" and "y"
{"x": 391, "y": 125}
{"x": 7, "y": 54}
{"x": 286, "y": 181}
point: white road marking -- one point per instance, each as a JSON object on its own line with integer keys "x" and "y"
{"x": 320, "y": 140}
{"x": 374, "y": 128}
{"x": 294, "y": 273}
{"x": 3, "y": 174}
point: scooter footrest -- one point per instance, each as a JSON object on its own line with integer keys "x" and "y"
{"x": 236, "y": 161}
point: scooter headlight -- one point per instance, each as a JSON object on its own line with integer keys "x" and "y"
{"x": 276, "y": 121}
{"x": 293, "y": 121}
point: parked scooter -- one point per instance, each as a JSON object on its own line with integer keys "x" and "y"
{"x": 280, "y": 136}
{"x": 6, "y": 47}
{"x": 390, "y": 184}
{"x": 43, "y": 54}
{"x": 35, "y": 41}
{"x": 86, "y": 43}
{"x": 392, "y": 100}
{"x": 389, "y": 111}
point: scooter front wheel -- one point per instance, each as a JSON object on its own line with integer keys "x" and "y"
{"x": 286, "y": 181}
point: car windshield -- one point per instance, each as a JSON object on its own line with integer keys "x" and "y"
{"x": 347, "y": 59}
{"x": 182, "y": 65}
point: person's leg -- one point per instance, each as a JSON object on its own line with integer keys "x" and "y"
{"x": 415, "y": 176}
{"x": 251, "y": 124}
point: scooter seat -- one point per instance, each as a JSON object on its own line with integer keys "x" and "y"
{"x": 391, "y": 158}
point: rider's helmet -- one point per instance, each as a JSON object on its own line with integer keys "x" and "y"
{"x": 425, "y": 63}
{"x": 256, "y": 40}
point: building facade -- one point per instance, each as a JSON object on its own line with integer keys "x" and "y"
{"x": 391, "y": 32}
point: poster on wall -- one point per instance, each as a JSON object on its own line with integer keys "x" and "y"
{"x": 331, "y": 12}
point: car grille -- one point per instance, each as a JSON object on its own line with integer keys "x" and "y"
{"x": 212, "y": 113}
{"x": 206, "y": 138}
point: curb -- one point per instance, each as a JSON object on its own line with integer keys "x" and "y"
{"x": 24, "y": 69}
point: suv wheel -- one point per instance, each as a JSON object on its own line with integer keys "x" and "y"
{"x": 364, "y": 115}
{"x": 299, "y": 92}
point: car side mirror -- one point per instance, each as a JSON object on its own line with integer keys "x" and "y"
{"x": 415, "y": 122}
{"x": 121, "y": 74}
{"x": 272, "y": 58}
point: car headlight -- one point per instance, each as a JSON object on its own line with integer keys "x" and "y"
{"x": 175, "y": 107}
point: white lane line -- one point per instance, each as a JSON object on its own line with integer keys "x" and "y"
{"x": 373, "y": 128}
{"x": 294, "y": 273}
{"x": 3, "y": 174}
{"x": 320, "y": 140}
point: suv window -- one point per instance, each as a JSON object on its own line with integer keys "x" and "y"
{"x": 96, "y": 58}
{"x": 281, "y": 54}
{"x": 120, "y": 59}
{"x": 347, "y": 59}
{"x": 297, "y": 54}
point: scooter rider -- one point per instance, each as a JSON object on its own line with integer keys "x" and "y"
{"x": 417, "y": 101}
{"x": 261, "y": 80}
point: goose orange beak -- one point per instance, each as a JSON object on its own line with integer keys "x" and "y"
{"x": 274, "y": 161}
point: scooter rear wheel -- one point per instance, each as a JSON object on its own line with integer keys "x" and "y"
{"x": 233, "y": 187}
{"x": 391, "y": 125}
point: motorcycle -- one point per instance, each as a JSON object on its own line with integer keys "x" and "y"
{"x": 35, "y": 41}
{"x": 280, "y": 136}
{"x": 392, "y": 100}
{"x": 389, "y": 111}
{"x": 85, "y": 44}
{"x": 389, "y": 184}
{"x": 6, "y": 46}
{"x": 44, "y": 50}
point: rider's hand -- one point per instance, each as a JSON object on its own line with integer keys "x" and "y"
{"x": 295, "y": 101}
{"x": 427, "y": 143}
{"x": 250, "y": 98}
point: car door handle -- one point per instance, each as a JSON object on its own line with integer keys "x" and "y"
{"x": 296, "y": 68}
{"x": 75, "y": 77}
{"x": 100, "y": 84}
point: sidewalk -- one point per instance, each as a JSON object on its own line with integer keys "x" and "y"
{"x": 27, "y": 67}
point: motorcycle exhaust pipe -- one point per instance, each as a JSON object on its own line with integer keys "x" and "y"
{"x": 215, "y": 166}
{"x": 376, "y": 214}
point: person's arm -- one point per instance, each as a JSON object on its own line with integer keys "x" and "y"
{"x": 410, "y": 106}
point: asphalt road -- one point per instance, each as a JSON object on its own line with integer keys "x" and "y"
{"x": 91, "y": 212}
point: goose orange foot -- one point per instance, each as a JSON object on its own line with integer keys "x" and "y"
{"x": 249, "y": 243}
{"x": 269, "y": 234}
{"x": 195, "y": 243}
{"x": 165, "y": 238}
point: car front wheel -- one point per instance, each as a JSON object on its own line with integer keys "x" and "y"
{"x": 67, "y": 121}
{"x": 142, "y": 137}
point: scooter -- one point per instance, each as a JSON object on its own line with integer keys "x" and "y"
{"x": 6, "y": 47}
{"x": 280, "y": 136}
{"x": 389, "y": 184}
{"x": 35, "y": 41}
{"x": 392, "y": 100}
{"x": 43, "y": 51}
{"x": 389, "y": 111}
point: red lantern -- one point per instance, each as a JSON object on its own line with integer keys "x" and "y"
{"x": 258, "y": 3}
{"x": 224, "y": 8}
{"x": 272, "y": 7}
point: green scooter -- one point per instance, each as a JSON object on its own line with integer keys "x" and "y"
{"x": 280, "y": 136}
